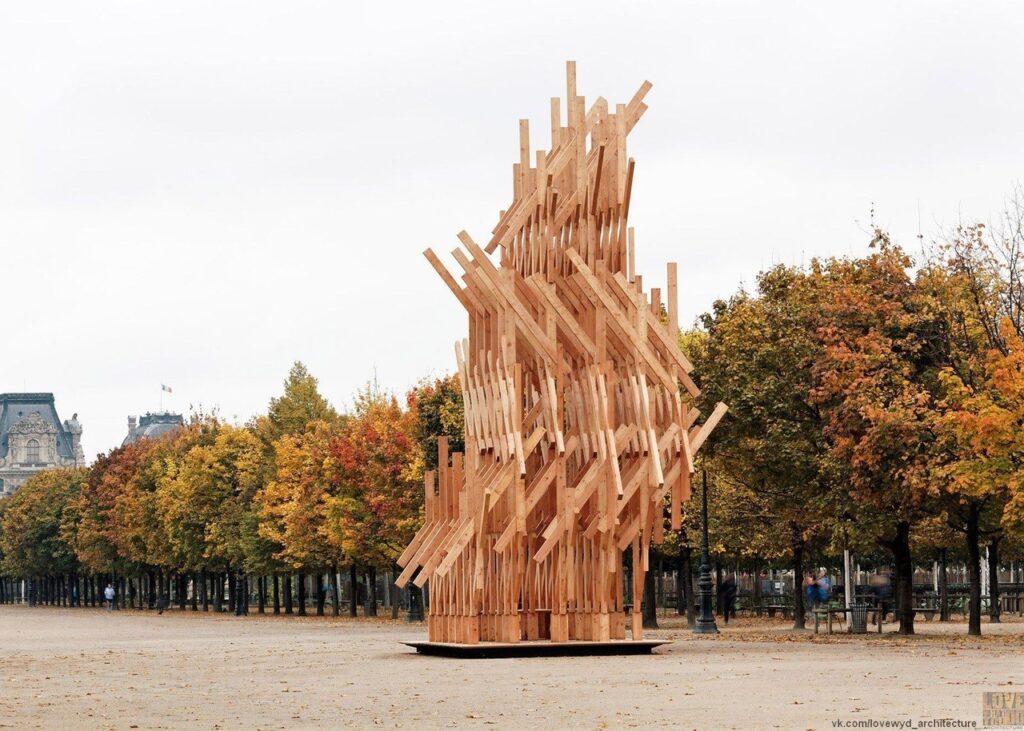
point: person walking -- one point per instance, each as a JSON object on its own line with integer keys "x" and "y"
{"x": 824, "y": 588}
{"x": 810, "y": 595}
{"x": 108, "y": 596}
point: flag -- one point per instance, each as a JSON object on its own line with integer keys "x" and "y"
{"x": 166, "y": 388}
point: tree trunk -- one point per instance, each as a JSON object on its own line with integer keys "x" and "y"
{"x": 277, "y": 594}
{"x": 204, "y": 590}
{"x": 218, "y": 592}
{"x": 650, "y": 602}
{"x": 756, "y": 573}
{"x": 798, "y": 576}
{"x": 232, "y": 589}
{"x": 659, "y": 578}
{"x": 321, "y": 595}
{"x": 335, "y": 609}
{"x": 393, "y": 590}
{"x": 682, "y": 595}
{"x": 943, "y": 587}
{"x": 993, "y": 581}
{"x": 302, "y": 594}
{"x": 370, "y": 610}
{"x": 241, "y": 595}
{"x": 973, "y": 570}
{"x": 287, "y": 593}
{"x": 261, "y": 595}
{"x": 690, "y": 596}
{"x": 182, "y": 591}
{"x": 904, "y": 577}
{"x": 353, "y": 599}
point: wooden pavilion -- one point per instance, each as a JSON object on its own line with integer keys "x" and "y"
{"x": 579, "y": 424}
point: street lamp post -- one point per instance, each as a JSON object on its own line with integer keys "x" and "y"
{"x": 415, "y": 613}
{"x": 705, "y": 624}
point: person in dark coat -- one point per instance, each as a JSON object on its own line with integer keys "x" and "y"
{"x": 881, "y": 587}
{"x": 728, "y": 594}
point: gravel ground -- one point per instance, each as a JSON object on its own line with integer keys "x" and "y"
{"x": 87, "y": 668}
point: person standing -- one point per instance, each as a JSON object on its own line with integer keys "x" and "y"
{"x": 729, "y": 597}
{"x": 108, "y": 596}
{"x": 881, "y": 587}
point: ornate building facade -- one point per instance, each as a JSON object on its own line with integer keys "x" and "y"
{"x": 152, "y": 426}
{"x": 33, "y": 438}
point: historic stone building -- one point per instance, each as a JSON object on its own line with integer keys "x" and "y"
{"x": 152, "y": 426}
{"x": 33, "y": 438}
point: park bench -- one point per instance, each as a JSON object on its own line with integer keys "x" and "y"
{"x": 928, "y": 612}
{"x": 773, "y": 608}
{"x": 828, "y": 612}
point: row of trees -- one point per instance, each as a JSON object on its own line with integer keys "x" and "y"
{"x": 302, "y": 490}
{"x": 874, "y": 402}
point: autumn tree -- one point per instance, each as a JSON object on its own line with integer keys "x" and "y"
{"x": 874, "y": 383}
{"x": 377, "y": 464}
{"x": 206, "y": 495}
{"x": 287, "y": 415}
{"x": 293, "y": 506}
{"x": 32, "y": 541}
{"x": 92, "y": 530}
{"x": 300, "y": 404}
{"x": 437, "y": 404}
{"x": 758, "y": 358}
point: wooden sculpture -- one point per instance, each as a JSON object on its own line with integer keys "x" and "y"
{"x": 578, "y": 423}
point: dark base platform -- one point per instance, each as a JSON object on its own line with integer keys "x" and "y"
{"x": 537, "y": 649}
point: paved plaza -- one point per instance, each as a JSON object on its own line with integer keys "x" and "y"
{"x": 85, "y": 668}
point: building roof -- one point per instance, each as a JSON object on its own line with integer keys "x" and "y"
{"x": 152, "y": 426}
{"x": 16, "y": 406}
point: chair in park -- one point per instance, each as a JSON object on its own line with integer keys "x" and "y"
{"x": 578, "y": 403}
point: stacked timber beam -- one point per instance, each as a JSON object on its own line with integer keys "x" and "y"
{"x": 579, "y": 424}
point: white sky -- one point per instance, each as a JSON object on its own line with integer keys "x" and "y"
{"x": 200, "y": 193}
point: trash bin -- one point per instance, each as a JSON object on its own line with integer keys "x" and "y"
{"x": 858, "y": 618}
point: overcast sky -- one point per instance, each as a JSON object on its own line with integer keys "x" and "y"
{"x": 200, "y": 193}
